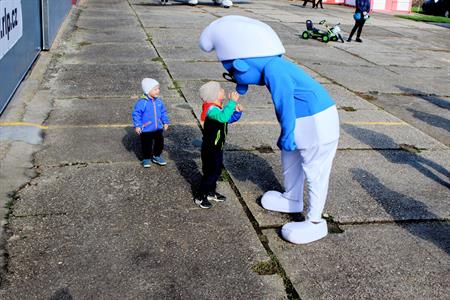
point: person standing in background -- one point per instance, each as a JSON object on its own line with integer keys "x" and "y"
{"x": 361, "y": 15}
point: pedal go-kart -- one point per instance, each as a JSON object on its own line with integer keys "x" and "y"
{"x": 330, "y": 33}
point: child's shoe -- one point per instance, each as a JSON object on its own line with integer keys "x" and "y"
{"x": 215, "y": 196}
{"x": 159, "y": 160}
{"x": 203, "y": 202}
{"x": 146, "y": 163}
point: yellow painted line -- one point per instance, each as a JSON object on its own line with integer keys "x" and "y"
{"x": 377, "y": 123}
{"x": 23, "y": 124}
{"x": 242, "y": 123}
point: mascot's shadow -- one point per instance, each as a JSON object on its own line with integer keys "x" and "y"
{"x": 418, "y": 162}
{"x": 396, "y": 204}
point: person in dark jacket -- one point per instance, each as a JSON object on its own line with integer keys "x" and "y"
{"x": 361, "y": 15}
{"x": 216, "y": 117}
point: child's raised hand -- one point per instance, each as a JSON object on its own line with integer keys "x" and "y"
{"x": 234, "y": 96}
{"x": 166, "y": 126}
{"x": 138, "y": 130}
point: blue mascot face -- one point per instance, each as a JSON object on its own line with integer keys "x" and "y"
{"x": 245, "y": 71}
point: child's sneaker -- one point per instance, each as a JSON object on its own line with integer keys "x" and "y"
{"x": 159, "y": 160}
{"x": 146, "y": 163}
{"x": 215, "y": 196}
{"x": 203, "y": 202}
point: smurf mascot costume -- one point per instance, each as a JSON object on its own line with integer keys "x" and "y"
{"x": 252, "y": 54}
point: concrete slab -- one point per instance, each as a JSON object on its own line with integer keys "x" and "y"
{"x": 373, "y": 186}
{"x": 428, "y": 113}
{"x": 107, "y": 144}
{"x": 107, "y": 14}
{"x": 365, "y": 186}
{"x": 386, "y": 55}
{"x": 379, "y": 79}
{"x": 111, "y": 53}
{"x": 368, "y": 261}
{"x": 116, "y": 240}
{"x": 364, "y": 129}
{"x": 166, "y": 20}
{"x": 316, "y": 53}
{"x": 125, "y": 21}
{"x": 192, "y": 70}
{"x": 109, "y": 36}
{"x": 435, "y": 81}
{"x": 107, "y": 80}
{"x": 109, "y": 111}
{"x": 359, "y": 135}
{"x": 346, "y": 99}
{"x": 180, "y": 37}
{"x": 187, "y": 54}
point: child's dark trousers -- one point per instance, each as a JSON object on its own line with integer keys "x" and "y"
{"x": 152, "y": 143}
{"x": 212, "y": 163}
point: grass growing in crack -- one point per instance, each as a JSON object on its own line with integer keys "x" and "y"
{"x": 409, "y": 148}
{"x": 333, "y": 226}
{"x": 82, "y": 44}
{"x": 348, "y": 108}
{"x": 161, "y": 61}
{"x": 366, "y": 96}
{"x": 265, "y": 268}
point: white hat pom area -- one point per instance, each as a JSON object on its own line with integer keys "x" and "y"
{"x": 148, "y": 84}
{"x": 234, "y": 37}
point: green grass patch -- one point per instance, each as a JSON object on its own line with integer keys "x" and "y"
{"x": 425, "y": 18}
{"x": 265, "y": 268}
{"x": 416, "y": 9}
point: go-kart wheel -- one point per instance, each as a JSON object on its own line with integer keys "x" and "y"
{"x": 334, "y": 38}
{"x": 325, "y": 38}
{"x": 305, "y": 35}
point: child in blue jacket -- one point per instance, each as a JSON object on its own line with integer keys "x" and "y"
{"x": 150, "y": 119}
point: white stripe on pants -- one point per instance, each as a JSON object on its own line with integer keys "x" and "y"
{"x": 315, "y": 164}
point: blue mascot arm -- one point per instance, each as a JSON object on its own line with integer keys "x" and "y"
{"x": 282, "y": 89}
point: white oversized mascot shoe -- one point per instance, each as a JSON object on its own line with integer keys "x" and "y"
{"x": 275, "y": 201}
{"x": 304, "y": 232}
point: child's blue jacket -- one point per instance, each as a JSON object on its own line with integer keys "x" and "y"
{"x": 149, "y": 114}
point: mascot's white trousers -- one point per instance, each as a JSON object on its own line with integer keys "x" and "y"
{"x": 317, "y": 140}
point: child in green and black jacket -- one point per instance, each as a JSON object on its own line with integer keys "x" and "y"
{"x": 216, "y": 118}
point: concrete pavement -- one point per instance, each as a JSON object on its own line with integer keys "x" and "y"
{"x": 85, "y": 220}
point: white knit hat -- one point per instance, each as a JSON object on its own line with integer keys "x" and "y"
{"x": 210, "y": 91}
{"x": 236, "y": 37}
{"x": 148, "y": 84}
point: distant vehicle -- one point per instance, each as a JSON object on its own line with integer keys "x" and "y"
{"x": 437, "y": 7}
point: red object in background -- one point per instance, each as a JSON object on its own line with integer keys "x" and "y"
{"x": 74, "y": 2}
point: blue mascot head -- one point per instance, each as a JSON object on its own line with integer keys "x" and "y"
{"x": 244, "y": 46}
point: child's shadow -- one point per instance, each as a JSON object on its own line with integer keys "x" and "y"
{"x": 132, "y": 142}
{"x": 184, "y": 144}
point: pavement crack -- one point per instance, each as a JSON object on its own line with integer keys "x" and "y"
{"x": 395, "y": 222}
{"x": 291, "y": 292}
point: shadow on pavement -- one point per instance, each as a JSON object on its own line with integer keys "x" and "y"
{"x": 248, "y": 167}
{"x": 132, "y": 143}
{"x": 431, "y": 119}
{"x": 395, "y": 203}
{"x": 429, "y": 98}
{"x": 418, "y": 162}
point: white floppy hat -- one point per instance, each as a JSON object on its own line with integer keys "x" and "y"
{"x": 148, "y": 84}
{"x": 234, "y": 37}
{"x": 210, "y": 91}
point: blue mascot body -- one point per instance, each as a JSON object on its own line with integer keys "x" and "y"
{"x": 306, "y": 113}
